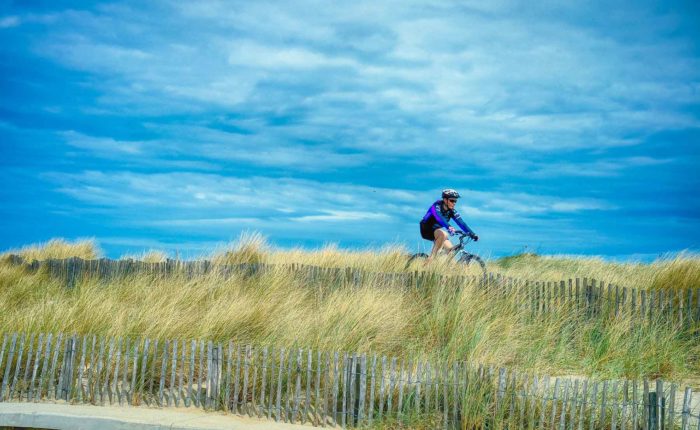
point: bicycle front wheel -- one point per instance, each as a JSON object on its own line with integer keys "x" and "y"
{"x": 473, "y": 259}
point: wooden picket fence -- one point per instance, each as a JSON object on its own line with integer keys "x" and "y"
{"x": 590, "y": 297}
{"x": 299, "y": 385}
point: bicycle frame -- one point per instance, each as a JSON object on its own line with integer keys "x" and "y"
{"x": 464, "y": 239}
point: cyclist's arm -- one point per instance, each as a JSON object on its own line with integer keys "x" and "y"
{"x": 460, "y": 222}
{"x": 436, "y": 213}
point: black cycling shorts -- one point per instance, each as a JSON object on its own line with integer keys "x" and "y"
{"x": 427, "y": 231}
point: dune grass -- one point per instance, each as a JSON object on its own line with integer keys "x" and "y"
{"x": 680, "y": 271}
{"x": 439, "y": 322}
{"x": 59, "y": 249}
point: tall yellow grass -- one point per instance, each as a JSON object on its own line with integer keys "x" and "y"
{"x": 58, "y": 248}
{"x": 439, "y": 322}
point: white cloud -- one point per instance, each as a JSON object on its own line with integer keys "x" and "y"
{"x": 105, "y": 146}
{"x": 9, "y": 21}
{"x": 183, "y": 199}
{"x": 334, "y": 215}
{"x": 387, "y": 77}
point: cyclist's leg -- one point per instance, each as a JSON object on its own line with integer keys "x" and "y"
{"x": 440, "y": 242}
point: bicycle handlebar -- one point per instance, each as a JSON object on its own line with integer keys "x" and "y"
{"x": 464, "y": 238}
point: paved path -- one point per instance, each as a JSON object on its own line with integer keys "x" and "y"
{"x": 87, "y": 417}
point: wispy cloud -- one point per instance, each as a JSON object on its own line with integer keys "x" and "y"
{"x": 323, "y": 116}
{"x": 106, "y": 147}
{"x": 9, "y": 21}
{"x": 343, "y": 216}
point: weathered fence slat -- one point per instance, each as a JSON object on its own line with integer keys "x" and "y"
{"x": 326, "y": 391}
{"x": 27, "y": 364}
{"x": 105, "y": 390}
{"x": 51, "y": 382}
{"x": 246, "y": 367}
{"x": 144, "y": 367}
{"x": 153, "y": 375}
{"x": 565, "y": 400}
{"x": 18, "y": 366}
{"x": 8, "y": 366}
{"x": 584, "y": 403}
{"x": 37, "y": 361}
{"x": 399, "y": 404}
{"x": 625, "y": 402}
{"x": 115, "y": 380}
{"x": 68, "y": 382}
{"x": 554, "y": 402}
{"x": 671, "y": 407}
{"x": 297, "y": 386}
{"x": 90, "y": 387}
{"x": 307, "y": 398}
{"x": 201, "y": 389}
{"x": 574, "y": 405}
{"x": 594, "y": 397}
{"x": 173, "y": 372}
{"x": 2, "y": 357}
{"x": 131, "y": 398}
{"x": 344, "y": 400}
{"x": 687, "y": 397}
{"x": 218, "y": 379}
{"x": 236, "y": 380}
{"x": 362, "y": 390}
{"x": 392, "y": 382}
{"x": 635, "y": 407}
{"x": 125, "y": 371}
{"x": 533, "y": 397}
{"x": 271, "y": 401}
{"x": 254, "y": 381}
{"x": 190, "y": 398}
{"x": 613, "y": 416}
{"x": 163, "y": 372}
{"x": 382, "y": 377}
{"x": 545, "y": 396}
{"x": 417, "y": 396}
{"x": 371, "y": 402}
{"x": 645, "y": 406}
{"x": 263, "y": 381}
{"x": 280, "y": 371}
{"x": 603, "y": 402}
{"x": 317, "y": 415}
{"x": 289, "y": 386}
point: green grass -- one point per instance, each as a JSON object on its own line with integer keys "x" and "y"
{"x": 438, "y": 322}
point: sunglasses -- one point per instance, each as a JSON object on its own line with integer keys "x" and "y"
{"x": 452, "y": 200}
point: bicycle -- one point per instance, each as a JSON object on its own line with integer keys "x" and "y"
{"x": 460, "y": 254}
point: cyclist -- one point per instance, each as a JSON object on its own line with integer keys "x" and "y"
{"x": 436, "y": 221}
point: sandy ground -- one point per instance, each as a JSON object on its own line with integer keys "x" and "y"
{"x": 87, "y": 417}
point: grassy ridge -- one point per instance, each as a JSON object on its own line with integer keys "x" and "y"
{"x": 438, "y": 322}
{"x": 680, "y": 272}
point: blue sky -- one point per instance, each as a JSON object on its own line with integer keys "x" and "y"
{"x": 177, "y": 125}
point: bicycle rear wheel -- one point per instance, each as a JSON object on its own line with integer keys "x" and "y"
{"x": 416, "y": 257}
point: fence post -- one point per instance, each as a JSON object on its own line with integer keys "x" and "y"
{"x": 357, "y": 395}
{"x": 686, "y": 408}
{"x": 660, "y": 403}
{"x": 66, "y": 374}
{"x": 8, "y": 366}
{"x": 652, "y": 419}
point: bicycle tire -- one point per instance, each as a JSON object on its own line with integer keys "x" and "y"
{"x": 467, "y": 259}
{"x": 414, "y": 257}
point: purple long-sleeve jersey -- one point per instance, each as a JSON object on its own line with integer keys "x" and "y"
{"x": 437, "y": 215}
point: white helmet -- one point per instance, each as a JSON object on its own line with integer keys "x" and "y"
{"x": 449, "y": 193}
